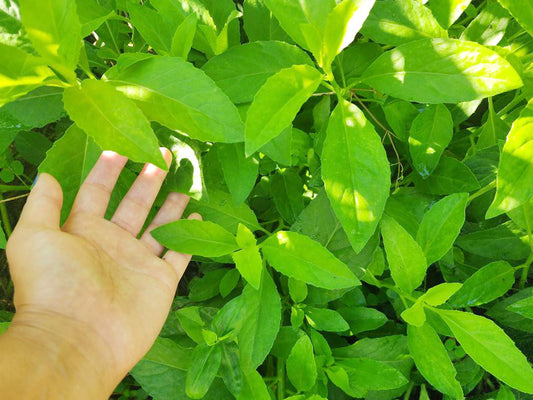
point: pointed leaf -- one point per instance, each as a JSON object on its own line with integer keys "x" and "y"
{"x": 113, "y": 121}
{"x": 441, "y": 71}
{"x": 54, "y": 29}
{"x": 172, "y": 92}
{"x": 277, "y": 102}
{"x": 434, "y": 365}
{"x": 356, "y": 173}
{"x": 204, "y": 367}
{"x": 201, "y": 238}
{"x": 261, "y": 323}
{"x": 515, "y": 172}
{"x": 441, "y": 226}
{"x": 485, "y": 285}
{"x": 302, "y": 258}
{"x": 20, "y": 73}
{"x": 242, "y": 70}
{"x": 430, "y": 134}
{"x": 301, "y": 368}
{"x": 406, "y": 259}
{"x": 491, "y": 348}
{"x": 395, "y": 22}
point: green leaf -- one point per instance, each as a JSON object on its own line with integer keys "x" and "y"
{"x": 113, "y": 121}
{"x": 240, "y": 173}
{"x": 162, "y": 373}
{"x": 205, "y": 363}
{"x": 201, "y": 238}
{"x": 230, "y": 369}
{"x": 242, "y": 70}
{"x": 260, "y": 24}
{"x": 400, "y": 115}
{"x": 229, "y": 282}
{"x": 505, "y": 394}
{"x": 323, "y": 319}
{"x": 430, "y": 134}
{"x": 254, "y": 387}
{"x": 523, "y": 307}
{"x": 297, "y": 290}
{"x": 220, "y": 208}
{"x": 515, "y": 172}
{"x": 287, "y": 191}
{"x": 522, "y": 12}
{"x": 248, "y": 260}
{"x": 450, "y": 176}
{"x": 342, "y": 25}
{"x": 277, "y": 102}
{"x": 439, "y": 294}
{"x": 183, "y": 37}
{"x": 301, "y": 368}
{"x": 499, "y": 243}
{"x": 70, "y": 160}
{"x": 491, "y": 348}
{"x": 356, "y": 173}
{"x": 55, "y": 31}
{"x": 441, "y": 71}
{"x": 304, "y": 21}
{"x": 365, "y": 374}
{"x": 414, "y": 315}
{"x": 153, "y": 27}
{"x": 92, "y": 15}
{"x": 36, "y": 109}
{"x": 172, "y": 92}
{"x": 406, "y": 259}
{"x": 447, "y": 11}
{"x": 435, "y": 364}
{"x": 485, "y": 285}
{"x": 489, "y": 26}
{"x": 302, "y": 258}
{"x": 394, "y": 22}
{"x": 19, "y": 73}
{"x": 261, "y": 323}
{"x": 362, "y": 319}
{"x": 493, "y": 130}
{"x": 441, "y": 226}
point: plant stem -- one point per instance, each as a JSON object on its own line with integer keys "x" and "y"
{"x": 5, "y": 218}
{"x": 14, "y": 188}
{"x": 482, "y": 191}
{"x": 527, "y": 264}
{"x": 518, "y": 98}
{"x": 407, "y": 394}
{"x": 280, "y": 373}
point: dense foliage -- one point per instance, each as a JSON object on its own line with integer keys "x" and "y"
{"x": 364, "y": 169}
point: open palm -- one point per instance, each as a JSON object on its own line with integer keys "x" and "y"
{"x": 94, "y": 273}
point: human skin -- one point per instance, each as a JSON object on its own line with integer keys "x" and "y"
{"x": 90, "y": 296}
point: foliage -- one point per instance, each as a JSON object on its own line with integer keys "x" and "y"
{"x": 364, "y": 169}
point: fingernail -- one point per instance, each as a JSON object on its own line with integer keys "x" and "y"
{"x": 35, "y": 180}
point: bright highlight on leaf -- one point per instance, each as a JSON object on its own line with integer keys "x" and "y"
{"x": 441, "y": 71}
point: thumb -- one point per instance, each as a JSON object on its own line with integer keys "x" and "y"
{"x": 43, "y": 207}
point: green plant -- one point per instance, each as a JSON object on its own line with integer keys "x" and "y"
{"x": 368, "y": 215}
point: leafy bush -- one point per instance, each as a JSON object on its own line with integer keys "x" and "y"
{"x": 368, "y": 215}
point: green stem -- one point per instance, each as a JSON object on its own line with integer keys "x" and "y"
{"x": 482, "y": 191}
{"x": 5, "y": 218}
{"x": 527, "y": 264}
{"x": 517, "y": 100}
{"x": 280, "y": 373}
{"x": 14, "y": 188}
{"x": 407, "y": 394}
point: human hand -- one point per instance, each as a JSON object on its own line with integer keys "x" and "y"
{"x": 91, "y": 285}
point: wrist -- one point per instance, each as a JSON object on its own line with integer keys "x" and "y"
{"x": 65, "y": 358}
